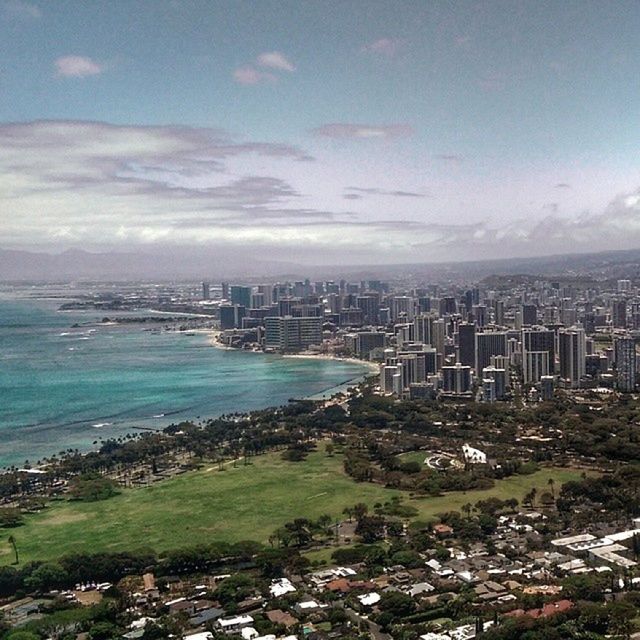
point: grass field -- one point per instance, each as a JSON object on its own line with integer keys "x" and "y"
{"x": 243, "y": 503}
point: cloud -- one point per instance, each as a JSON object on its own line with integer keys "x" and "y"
{"x": 387, "y": 47}
{"x": 77, "y": 67}
{"x": 248, "y": 75}
{"x": 275, "y": 60}
{"x": 383, "y": 192}
{"x": 362, "y": 131}
{"x": 449, "y": 157}
{"x": 91, "y": 184}
{"x": 100, "y": 182}
{"x": 19, "y": 10}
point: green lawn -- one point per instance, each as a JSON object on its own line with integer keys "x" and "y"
{"x": 414, "y": 456}
{"x": 243, "y": 503}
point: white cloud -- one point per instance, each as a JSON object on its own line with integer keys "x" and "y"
{"x": 363, "y": 131}
{"x": 275, "y": 60}
{"x": 248, "y": 75}
{"x": 77, "y": 67}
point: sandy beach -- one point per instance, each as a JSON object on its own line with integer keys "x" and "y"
{"x": 214, "y": 335}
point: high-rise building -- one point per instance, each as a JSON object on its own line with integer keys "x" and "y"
{"x": 240, "y": 295}
{"x": 448, "y": 306}
{"x": 572, "y": 348}
{"x": 292, "y": 334}
{"x": 391, "y": 379}
{"x": 535, "y": 365}
{"x": 489, "y": 344}
{"x": 402, "y": 306}
{"x": 537, "y": 339}
{"x": 225, "y": 290}
{"x": 546, "y": 387}
{"x": 456, "y": 379}
{"x": 498, "y": 312}
{"x": 205, "y": 291}
{"x": 529, "y": 315}
{"x": 489, "y": 390}
{"x": 231, "y": 315}
{"x": 370, "y": 306}
{"x": 619, "y": 313}
{"x": 499, "y": 378}
{"x": 624, "y": 286}
{"x": 438, "y": 335}
{"x": 467, "y": 344}
{"x": 368, "y": 341}
{"x": 422, "y": 328}
{"x": 625, "y": 360}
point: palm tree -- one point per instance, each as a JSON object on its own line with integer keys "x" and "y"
{"x": 467, "y": 509}
{"x": 551, "y": 482}
{"x": 12, "y": 542}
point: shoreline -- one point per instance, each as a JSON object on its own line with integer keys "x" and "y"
{"x": 214, "y": 334}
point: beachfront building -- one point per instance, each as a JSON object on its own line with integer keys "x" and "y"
{"x": 286, "y": 333}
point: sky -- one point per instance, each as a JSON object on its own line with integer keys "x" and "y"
{"x": 321, "y": 132}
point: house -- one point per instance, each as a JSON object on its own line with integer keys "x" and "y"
{"x": 442, "y": 530}
{"x": 277, "y": 616}
{"x": 234, "y": 624}
{"x": 369, "y": 599}
{"x": 281, "y": 587}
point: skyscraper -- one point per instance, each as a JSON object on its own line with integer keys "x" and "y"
{"x": 540, "y": 340}
{"x": 489, "y": 344}
{"x": 467, "y": 344}
{"x": 572, "y": 347}
{"x": 240, "y": 295}
{"x": 625, "y": 360}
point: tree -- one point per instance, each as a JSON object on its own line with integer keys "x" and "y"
{"x": 91, "y": 487}
{"x": 552, "y": 485}
{"x": 10, "y": 517}
{"x": 12, "y": 542}
{"x": 371, "y": 528}
{"x": 360, "y": 510}
{"x": 398, "y": 604}
{"x": 47, "y": 576}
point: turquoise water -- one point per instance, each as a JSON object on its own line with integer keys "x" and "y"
{"x": 64, "y": 387}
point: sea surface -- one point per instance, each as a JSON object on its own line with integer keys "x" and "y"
{"x": 64, "y": 387}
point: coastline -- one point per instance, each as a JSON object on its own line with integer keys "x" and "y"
{"x": 214, "y": 334}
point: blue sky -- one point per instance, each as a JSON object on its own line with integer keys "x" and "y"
{"x": 360, "y": 130}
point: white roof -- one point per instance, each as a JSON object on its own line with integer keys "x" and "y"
{"x": 563, "y": 542}
{"x": 280, "y": 587}
{"x": 369, "y": 599}
{"x": 235, "y": 621}
{"x": 205, "y": 635}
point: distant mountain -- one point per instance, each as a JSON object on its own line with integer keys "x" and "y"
{"x": 184, "y": 263}
{"x": 170, "y": 263}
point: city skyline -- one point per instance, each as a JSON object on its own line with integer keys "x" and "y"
{"x": 320, "y": 133}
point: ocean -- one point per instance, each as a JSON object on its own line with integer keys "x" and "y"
{"x": 64, "y": 387}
